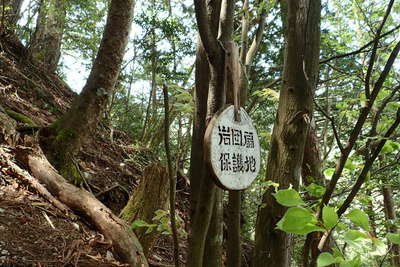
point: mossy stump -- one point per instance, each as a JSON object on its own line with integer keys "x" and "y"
{"x": 151, "y": 195}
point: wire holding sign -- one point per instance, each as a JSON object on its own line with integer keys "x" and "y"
{"x": 233, "y": 149}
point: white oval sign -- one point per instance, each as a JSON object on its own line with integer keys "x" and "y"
{"x": 233, "y": 149}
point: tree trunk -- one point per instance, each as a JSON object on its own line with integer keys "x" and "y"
{"x": 213, "y": 245}
{"x": 152, "y": 195}
{"x": 73, "y": 129}
{"x": 46, "y": 42}
{"x": 273, "y": 247}
{"x": 390, "y": 214}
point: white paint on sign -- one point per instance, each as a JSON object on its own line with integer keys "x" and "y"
{"x": 233, "y": 149}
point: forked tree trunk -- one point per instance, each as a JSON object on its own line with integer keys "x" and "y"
{"x": 45, "y": 45}
{"x": 73, "y": 129}
{"x": 273, "y": 247}
{"x": 152, "y": 195}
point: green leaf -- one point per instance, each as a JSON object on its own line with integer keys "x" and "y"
{"x": 329, "y": 172}
{"x": 298, "y": 221}
{"x": 394, "y": 238}
{"x": 329, "y": 217}
{"x": 358, "y": 217}
{"x": 325, "y": 259}
{"x": 139, "y": 223}
{"x": 354, "y": 235}
{"x": 288, "y": 198}
{"x": 315, "y": 190}
{"x": 350, "y": 165}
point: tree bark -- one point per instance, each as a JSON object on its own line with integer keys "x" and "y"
{"x": 390, "y": 214}
{"x": 151, "y": 195}
{"x": 273, "y": 247}
{"x": 74, "y": 128}
{"x": 45, "y": 45}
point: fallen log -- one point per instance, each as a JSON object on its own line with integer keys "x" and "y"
{"x": 125, "y": 243}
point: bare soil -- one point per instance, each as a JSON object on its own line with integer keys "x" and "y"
{"x": 32, "y": 231}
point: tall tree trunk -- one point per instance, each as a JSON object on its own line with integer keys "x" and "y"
{"x": 73, "y": 129}
{"x": 390, "y": 214}
{"x": 273, "y": 247}
{"x": 46, "y": 42}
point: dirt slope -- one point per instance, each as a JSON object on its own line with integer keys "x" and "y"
{"x": 32, "y": 231}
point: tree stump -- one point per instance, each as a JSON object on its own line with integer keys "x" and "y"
{"x": 151, "y": 195}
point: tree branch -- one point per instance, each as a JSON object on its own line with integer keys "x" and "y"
{"x": 209, "y": 42}
{"x": 361, "y": 49}
{"x": 374, "y": 50}
{"x": 172, "y": 177}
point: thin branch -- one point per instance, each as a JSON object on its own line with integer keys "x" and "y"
{"x": 361, "y": 49}
{"x": 257, "y": 38}
{"x": 209, "y": 42}
{"x": 367, "y": 166}
{"x": 226, "y": 21}
{"x": 172, "y": 179}
{"x": 358, "y": 127}
{"x": 375, "y": 49}
{"x": 332, "y": 120}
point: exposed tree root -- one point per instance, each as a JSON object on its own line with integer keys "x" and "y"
{"x": 124, "y": 241}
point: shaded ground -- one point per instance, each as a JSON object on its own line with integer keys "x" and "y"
{"x": 32, "y": 231}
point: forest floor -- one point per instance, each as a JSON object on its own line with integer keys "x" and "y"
{"x": 32, "y": 231}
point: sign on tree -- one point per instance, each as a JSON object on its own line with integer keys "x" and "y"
{"x": 233, "y": 149}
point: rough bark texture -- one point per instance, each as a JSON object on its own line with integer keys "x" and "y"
{"x": 151, "y": 195}
{"x": 123, "y": 240}
{"x": 202, "y": 184}
{"x": 213, "y": 245}
{"x": 311, "y": 173}
{"x": 390, "y": 214}
{"x": 74, "y": 128}
{"x": 273, "y": 247}
{"x": 46, "y": 42}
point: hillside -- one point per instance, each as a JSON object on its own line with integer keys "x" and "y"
{"x": 32, "y": 230}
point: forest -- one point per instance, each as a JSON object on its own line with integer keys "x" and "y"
{"x": 200, "y": 133}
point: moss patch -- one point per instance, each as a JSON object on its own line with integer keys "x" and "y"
{"x": 70, "y": 172}
{"x": 20, "y": 117}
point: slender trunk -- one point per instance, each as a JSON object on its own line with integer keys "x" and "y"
{"x": 273, "y": 247}
{"x": 74, "y": 128}
{"x": 213, "y": 246}
{"x": 233, "y": 253}
{"x": 390, "y": 214}
{"x": 46, "y": 42}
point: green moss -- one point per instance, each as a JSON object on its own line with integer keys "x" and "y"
{"x": 70, "y": 172}
{"x": 65, "y": 135}
{"x": 20, "y": 117}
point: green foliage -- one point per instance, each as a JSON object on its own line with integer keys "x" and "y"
{"x": 359, "y": 218}
{"x": 161, "y": 224}
{"x": 394, "y": 238}
{"x": 325, "y": 259}
{"x": 288, "y": 198}
{"x": 329, "y": 217}
{"x": 298, "y": 220}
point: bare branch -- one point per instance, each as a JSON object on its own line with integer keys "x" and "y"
{"x": 332, "y": 120}
{"x": 374, "y": 50}
{"x": 361, "y": 49}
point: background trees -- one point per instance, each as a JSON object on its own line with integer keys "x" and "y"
{"x": 341, "y": 158}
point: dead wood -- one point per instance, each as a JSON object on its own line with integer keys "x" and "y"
{"x": 124, "y": 241}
